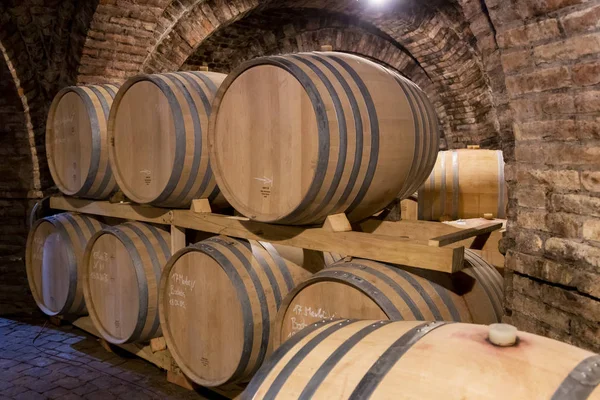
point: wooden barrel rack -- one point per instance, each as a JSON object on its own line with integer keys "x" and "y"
{"x": 430, "y": 246}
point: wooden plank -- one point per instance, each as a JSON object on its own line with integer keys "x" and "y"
{"x": 464, "y": 234}
{"x": 402, "y": 242}
{"x": 161, "y": 359}
{"x": 392, "y": 212}
{"x": 395, "y": 250}
{"x": 117, "y": 210}
{"x": 415, "y": 230}
{"x": 337, "y": 223}
{"x": 201, "y": 206}
{"x": 158, "y": 344}
{"x": 177, "y": 239}
{"x": 480, "y": 241}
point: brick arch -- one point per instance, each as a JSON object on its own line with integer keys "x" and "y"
{"x": 41, "y": 47}
{"x": 430, "y": 36}
{"x": 20, "y": 94}
{"x": 256, "y": 36}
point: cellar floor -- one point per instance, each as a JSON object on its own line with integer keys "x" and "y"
{"x": 42, "y": 361}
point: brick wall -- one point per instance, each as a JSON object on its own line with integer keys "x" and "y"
{"x": 40, "y": 46}
{"x": 550, "y": 52}
{"x": 16, "y": 172}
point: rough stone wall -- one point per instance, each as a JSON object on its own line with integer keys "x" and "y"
{"x": 550, "y": 53}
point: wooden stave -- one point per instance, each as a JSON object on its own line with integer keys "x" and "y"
{"x": 148, "y": 276}
{"x": 188, "y": 88}
{"x": 216, "y": 248}
{"x": 296, "y": 217}
{"x": 76, "y": 236}
{"x": 433, "y": 202}
{"x": 434, "y": 300}
{"x": 377, "y": 359}
{"x": 99, "y": 182}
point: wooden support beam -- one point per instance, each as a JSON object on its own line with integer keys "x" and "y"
{"x": 464, "y": 234}
{"x": 480, "y": 241}
{"x": 126, "y": 211}
{"x": 390, "y": 249}
{"x": 393, "y": 248}
{"x": 201, "y": 206}
{"x": 337, "y": 223}
{"x": 393, "y": 212}
{"x": 158, "y": 344}
{"x": 177, "y": 239}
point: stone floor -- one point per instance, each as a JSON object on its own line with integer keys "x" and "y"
{"x": 41, "y": 361}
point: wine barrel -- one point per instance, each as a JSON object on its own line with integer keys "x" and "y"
{"x": 464, "y": 184}
{"x": 348, "y": 359}
{"x": 76, "y": 141}
{"x": 53, "y": 262}
{"x": 158, "y": 131}
{"x": 123, "y": 265}
{"x": 295, "y": 138}
{"x": 364, "y": 289}
{"x": 218, "y": 300}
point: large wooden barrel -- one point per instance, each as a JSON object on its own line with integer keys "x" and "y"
{"x": 364, "y": 289}
{"x": 349, "y": 359}
{"x": 55, "y": 247}
{"x": 218, "y": 300}
{"x": 295, "y": 138}
{"x": 123, "y": 265}
{"x": 158, "y": 131}
{"x": 464, "y": 184}
{"x": 77, "y": 143}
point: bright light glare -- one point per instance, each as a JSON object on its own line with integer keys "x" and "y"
{"x": 377, "y": 2}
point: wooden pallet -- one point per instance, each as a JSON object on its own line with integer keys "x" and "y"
{"x": 420, "y": 244}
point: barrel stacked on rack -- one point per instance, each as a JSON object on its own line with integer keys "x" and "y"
{"x": 295, "y": 138}
{"x": 55, "y": 270}
{"x": 218, "y": 301}
{"x": 123, "y": 266}
{"x": 76, "y": 141}
{"x": 464, "y": 184}
{"x": 158, "y": 133}
{"x": 374, "y": 290}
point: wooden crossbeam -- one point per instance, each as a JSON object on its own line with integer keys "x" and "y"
{"x": 450, "y": 238}
{"x": 394, "y": 249}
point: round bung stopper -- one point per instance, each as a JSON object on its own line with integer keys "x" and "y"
{"x": 503, "y": 335}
